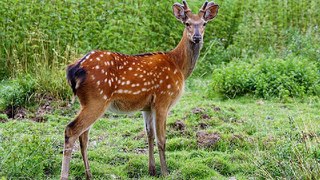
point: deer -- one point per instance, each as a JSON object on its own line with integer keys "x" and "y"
{"x": 151, "y": 83}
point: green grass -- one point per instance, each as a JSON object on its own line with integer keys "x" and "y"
{"x": 258, "y": 139}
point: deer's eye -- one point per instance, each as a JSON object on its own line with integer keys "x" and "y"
{"x": 204, "y": 24}
{"x": 187, "y": 24}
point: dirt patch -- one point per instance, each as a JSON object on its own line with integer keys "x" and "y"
{"x": 217, "y": 109}
{"x": 205, "y": 139}
{"x": 16, "y": 113}
{"x": 201, "y": 112}
{"x": 198, "y": 110}
{"x": 141, "y": 151}
{"x": 43, "y": 109}
{"x": 140, "y": 135}
{"x": 203, "y": 125}
{"x": 179, "y": 126}
{"x": 205, "y": 117}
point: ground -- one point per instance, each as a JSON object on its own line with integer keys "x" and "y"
{"x": 207, "y": 138}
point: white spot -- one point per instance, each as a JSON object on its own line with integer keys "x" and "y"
{"x": 175, "y": 71}
{"x": 130, "y": 68}
{"x": 109, "y": 82}
{"x": 101, "y": 92}
{"x": 98, "y": 83}
{"x": 108, "y": 53}
{"x": 133, "y": 85}
{"x": 98, "y": 59}
{"x": 105, "y": 80}
{"x": 128, "y": 82}
{"x": 161, "y": 81}
{"x": 123, "y": 83}
{"x": 145, "y": 83}
{"x": 97, "y": 67}
{"x": 111, "y": 63}
{"x": 143, "y": 89}
{"x": 141, "y": 76}
{"x": 167, "y": 77}
{"x": 120, "y": 91}
{"x": 105, "y": 97}
{"x": 169, "y": 86}
{"x": 137, "y": 92}
{"x": 92, "y": 77}
{"x": 102, "y": 71}
{"x": 101, "y": 55}
{"x": 135, "y": 74}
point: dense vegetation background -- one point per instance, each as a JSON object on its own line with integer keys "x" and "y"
{"x": 262, "y": 49}
{"x": 38, "y": 38}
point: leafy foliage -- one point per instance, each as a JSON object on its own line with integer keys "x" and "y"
{"x": 268, "y": 78}
{"x": 16, "y": 93}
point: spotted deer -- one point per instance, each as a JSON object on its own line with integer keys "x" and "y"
{"x": 151, "y": 83}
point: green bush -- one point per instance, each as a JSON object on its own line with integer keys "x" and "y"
{"x": 16, "y": 93}
{"x": 268, "y": 78}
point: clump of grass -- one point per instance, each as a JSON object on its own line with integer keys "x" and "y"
{"x": 16, "y": 93}
{"x": 268, "y": 78}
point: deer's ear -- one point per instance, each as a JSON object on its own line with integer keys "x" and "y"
{"x": 211, "y": 11}
{"x": 179, "y": 12}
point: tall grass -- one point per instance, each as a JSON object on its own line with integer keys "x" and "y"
{"x": 41, "y": 37}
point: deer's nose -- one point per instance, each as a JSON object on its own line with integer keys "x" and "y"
{"x": 197, "y": 39}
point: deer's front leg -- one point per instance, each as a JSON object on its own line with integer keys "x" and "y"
{"x": 161, "y": 117}
{"x": 147, "y": 116}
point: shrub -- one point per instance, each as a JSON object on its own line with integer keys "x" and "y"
{"x": 16, "y": 93}
{"x": 267, "y": 78}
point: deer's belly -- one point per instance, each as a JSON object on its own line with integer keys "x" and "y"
{"x": 125, "y": 107}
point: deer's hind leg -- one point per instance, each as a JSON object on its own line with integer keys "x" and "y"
{"x": 83, "y": 139}
{"x": 79, "y": 128}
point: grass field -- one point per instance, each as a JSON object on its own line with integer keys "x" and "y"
{"x": 206, "y": 139}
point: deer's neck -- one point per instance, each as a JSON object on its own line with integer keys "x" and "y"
{"x": 186, "y": 55}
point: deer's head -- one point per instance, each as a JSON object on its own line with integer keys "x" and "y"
{"x": 195, "y": 23}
